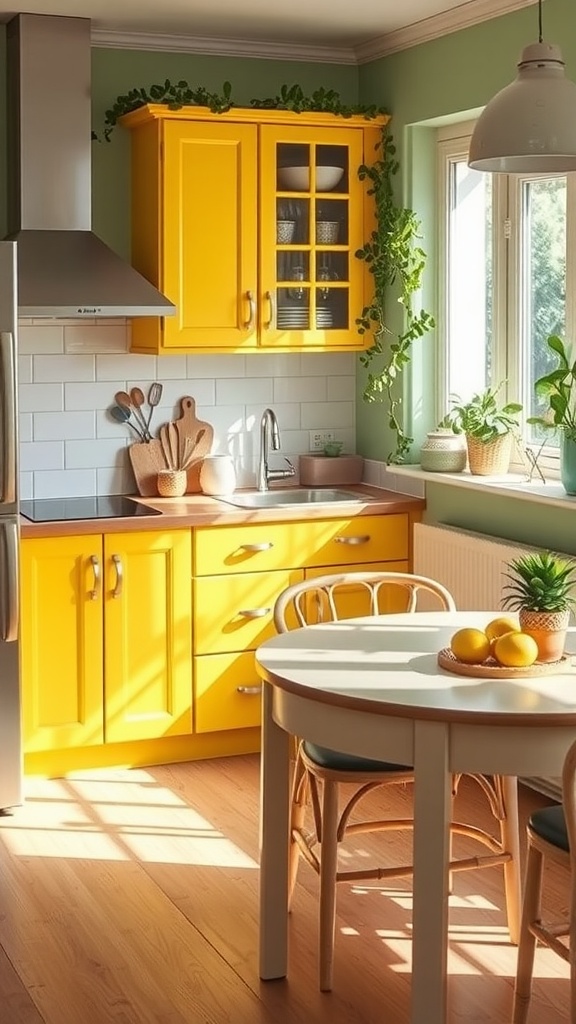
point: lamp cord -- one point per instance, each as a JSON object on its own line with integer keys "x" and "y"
{"x": 540, "y": 37}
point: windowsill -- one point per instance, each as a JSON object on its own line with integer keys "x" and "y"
{"x": 512, "y": 485}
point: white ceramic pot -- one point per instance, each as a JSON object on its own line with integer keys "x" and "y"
{"x": 218, "y": 475}
{"x": 443, "y": 451}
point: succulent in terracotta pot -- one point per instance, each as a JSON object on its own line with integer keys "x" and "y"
{"x": 541, "y": 588}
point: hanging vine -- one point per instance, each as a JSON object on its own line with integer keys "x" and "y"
{"x": 392, "y": 254}
{"x": 394, "y": 259}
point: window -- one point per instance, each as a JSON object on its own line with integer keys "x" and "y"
{"x": 507, "y": 261}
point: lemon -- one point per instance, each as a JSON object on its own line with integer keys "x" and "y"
{"x": 470, "y": 645}
{"x": 503, "y": 624}
{"x": 516, "y": 650}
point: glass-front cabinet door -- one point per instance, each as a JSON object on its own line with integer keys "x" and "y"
{"x": 311, "y": 217}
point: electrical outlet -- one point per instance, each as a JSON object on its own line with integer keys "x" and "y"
{"x": 319, "y": 438}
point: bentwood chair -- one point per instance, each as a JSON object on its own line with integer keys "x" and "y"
{"x": 551, "y": 837}
{"x": 318, "y": 772}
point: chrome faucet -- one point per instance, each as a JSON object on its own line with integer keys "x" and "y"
{"x": 269, "y": 425}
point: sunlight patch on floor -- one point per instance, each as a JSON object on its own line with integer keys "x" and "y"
{"x": 119, "y": 815}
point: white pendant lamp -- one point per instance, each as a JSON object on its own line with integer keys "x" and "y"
{"x": 530, "y": 126}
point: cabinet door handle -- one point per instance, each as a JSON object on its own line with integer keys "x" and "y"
{"x": 361, "y": 539}
{"x": 119, "y": 576}
{"x": 265, "y": 546}
{"x": 250, "y": 690}
{"x": 251, "y": 322}
{"x": 270, "y": 296}
{"x": 95, "y": 593}
{"x": 254, "y": 613}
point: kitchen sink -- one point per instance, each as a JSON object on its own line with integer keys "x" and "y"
{"x": 283, "y": 498}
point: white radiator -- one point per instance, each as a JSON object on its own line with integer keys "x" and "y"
{"x": 472, "y": 566}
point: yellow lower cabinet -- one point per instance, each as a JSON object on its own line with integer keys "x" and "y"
{"x": 235, "y": 613}
{"x": 356, "y": 600}
{"x": 227, "y": 692}
{"x": 106, "y": 649}
{"x": 61, "y": 646}
{"x": 148, "y": 644}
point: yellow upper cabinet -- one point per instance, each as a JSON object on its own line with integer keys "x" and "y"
{"x": 249, "y": 222}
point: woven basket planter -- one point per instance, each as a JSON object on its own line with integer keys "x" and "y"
{"x": 549, "y": 630}
{"x": 489, "y": 458}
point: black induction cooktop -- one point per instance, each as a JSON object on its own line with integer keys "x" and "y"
{"x": 104, "y": 506}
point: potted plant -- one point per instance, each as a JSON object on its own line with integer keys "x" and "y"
{"x": 541, "y": 589}
{"x": 559, "y": 388}
{"x": 489, "y": 429}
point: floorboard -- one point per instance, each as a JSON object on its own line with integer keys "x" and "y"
{"x": 130, "y": 897}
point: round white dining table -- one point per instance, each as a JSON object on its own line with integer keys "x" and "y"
{"x": 372, "y": 687}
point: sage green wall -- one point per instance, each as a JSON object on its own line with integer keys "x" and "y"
{"x": 115, "y": 72}
{"x": 448, "y": 78}
{"x": 455, "y": 75}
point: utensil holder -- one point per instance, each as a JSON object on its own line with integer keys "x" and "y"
{"x": 172, "y": 483}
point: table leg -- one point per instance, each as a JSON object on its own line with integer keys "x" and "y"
{"x": 432, "y": 809}
{"x": 274, "y": 816}
{"x": 511, "y": 841}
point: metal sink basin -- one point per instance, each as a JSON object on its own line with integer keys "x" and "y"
{"x": 283, "y": 498}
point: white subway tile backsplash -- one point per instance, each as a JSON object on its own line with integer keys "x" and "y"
{"x": 216, "y": 366}
{"x": 171, "y": 368}
{"x": 100, "y": 336}
{"x": 41, "y": 455}
{"x": 25, "y": 427}
{"x": 327, "y": 415}
{"x": 25, "y": 369}
{"x": 91, "y": 396}
{"x": 248, "y": 390}
{"x": 64, "y": 426}
{"x": 36, "y": 339}
{"x": 69, "y": 483}
{"x": 70, "y": 372}
{"x": 273, "y": 364}
{"x": 41, "y": 397}
{"x": 308, "y": 389}
{"x": 95, "y": 454}
{"x": 52, "y": 368}
{"x": 125, "y": 367}
{"x": 341, "y": 389}
{"x": 328, "y": 364}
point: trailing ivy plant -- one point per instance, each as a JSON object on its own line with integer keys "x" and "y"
{"x": 392, "y": 254}
{"x": 181, "y": 94}
{"x": 394, "y": 258}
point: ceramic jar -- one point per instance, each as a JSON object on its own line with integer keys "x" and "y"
{"x": 218, "y": 475}
{"x": 443, "y": 452}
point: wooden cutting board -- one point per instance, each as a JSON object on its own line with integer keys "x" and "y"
{"x": 147, "y": 459}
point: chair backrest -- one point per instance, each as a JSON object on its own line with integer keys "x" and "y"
{"x": 329, "y": 598}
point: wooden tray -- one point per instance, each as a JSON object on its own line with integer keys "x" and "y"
{"x": 490, "y": 669}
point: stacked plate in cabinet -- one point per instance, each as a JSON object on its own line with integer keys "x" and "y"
{"x": 298, "y": 318}
{"x": 293, "y": 318}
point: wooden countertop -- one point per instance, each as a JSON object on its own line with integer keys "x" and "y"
{"x": 201, "y": 510}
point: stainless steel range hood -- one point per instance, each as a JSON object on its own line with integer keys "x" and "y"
{"x": 64, "y": 269}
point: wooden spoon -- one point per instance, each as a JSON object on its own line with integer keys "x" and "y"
{"x": 137, "y": 398}
{"x": 122, "y": 415}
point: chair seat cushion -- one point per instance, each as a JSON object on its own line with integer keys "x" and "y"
{"x": 550, "y": 825}
{"x": 337, "y": 762}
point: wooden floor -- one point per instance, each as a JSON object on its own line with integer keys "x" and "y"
{"x": 130, "y": 897}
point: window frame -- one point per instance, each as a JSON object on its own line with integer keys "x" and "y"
{"x": 452, "y": 144}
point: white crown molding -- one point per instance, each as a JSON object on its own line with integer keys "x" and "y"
{"x": 212, "y": 47}
{"x": 464, "y": 16}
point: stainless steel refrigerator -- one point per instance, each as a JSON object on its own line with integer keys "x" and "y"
{"x": 10, "y": 705}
